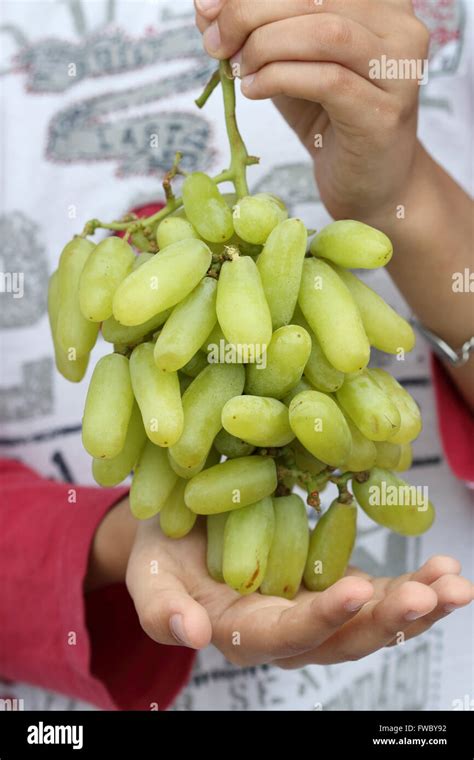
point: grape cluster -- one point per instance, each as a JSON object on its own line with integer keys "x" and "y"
{"x": 239, "y": 371}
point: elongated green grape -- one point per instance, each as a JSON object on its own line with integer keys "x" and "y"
{"x": 206, "y": 209}
{"x": 111, "y": 472}
{"x": 306, "y": 461}
{"x": 363, "y": 452}
{"x": 255, "y": 216}
{"x": 195, "y": 365}
{"x": 176, "y": 520}
{"x": 153, "y": 481}
{"x": 257, "y": 420}
{"x": 386, "y": 330}
{"x": 353, "y": 245}
{"x": 172, "y": 230}
{"x": 231, "y": 485}
{"x": 230, "y": 446}
{"x": 215, "y": 545}
{"x": 141, "y": 259}
{"x": 189, "y": 472}
{"x": 285, "y": 360}
{"x": 247, "y": 540}
{"x": 108, "y": 264}
{"x": 388, "y": 455}
{"x": 189, "y": 324}
{"x": 114, "y": 332}
{"x": 158, "y": 395}
{"x": 280, "y": 265}
{"x": 74, "y": 333}
{"x": 289, "y": 548}
{"x": 214, "y": 338}
{"x": 72, "y": 369}
{"x": 242, "y": 309}
{"x": 410, "y": 417}
{"x": 302, "y": 385}
{"x": 391, "y": 502}
{"x": 318, "y": 370}
{"x": 321, "y": 427}
{"x": 369, "y": 407}
{"x": 161, "y": 282}
{"x": 108, "y": 407}
{"x": 406, "y": 458}
{"x": 202, "y": 404}
{"x": 330, "y": 546}
{"x": 333, "y": 316}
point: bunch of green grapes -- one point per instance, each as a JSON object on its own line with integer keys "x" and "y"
{"x": 239, "y": 371}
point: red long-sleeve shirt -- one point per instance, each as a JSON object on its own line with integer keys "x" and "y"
{"x": 91, "y": 646}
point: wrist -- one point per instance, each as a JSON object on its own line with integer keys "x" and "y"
{"x": 111, "y": 547}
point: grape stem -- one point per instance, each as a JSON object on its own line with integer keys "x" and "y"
{"x": 209, "y": 89}
{"x": 238, "y": 151}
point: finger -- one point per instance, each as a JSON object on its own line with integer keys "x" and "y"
{"x": 274, "y": 631}
{"x": 208, "y": 9}
{"x": 453, "y": 593}
{"x": 239, "y": 18}
{"x": 308, "y": 38}
{"x": 347, "y": 97}
{"x": 433, "y": 569}
{"x": 374, "y": 627}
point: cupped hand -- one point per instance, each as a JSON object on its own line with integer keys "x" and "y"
{"x": 178, "y": 603}
{"x": 316, "y": 60}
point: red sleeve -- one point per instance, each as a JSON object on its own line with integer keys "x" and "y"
{"x": 51, "y": 634}
{"x": 456, "y": 424}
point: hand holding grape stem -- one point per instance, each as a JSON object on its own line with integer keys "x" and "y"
{"x": 181, "y": 604}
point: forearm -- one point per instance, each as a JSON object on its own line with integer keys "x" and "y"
{"x": 111, "y": 547}
{"x": 431, "y": 244}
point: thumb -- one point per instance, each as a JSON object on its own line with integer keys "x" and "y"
{"x": 169, "y": 615}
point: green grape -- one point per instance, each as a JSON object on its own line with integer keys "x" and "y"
{"x": 289, "y": 548}
{"x": 257, "y": 420}
{"x": 72, "y": 369}
{"x": 214, "y": 338}
{"x": 189, "y": 472}
{"x": 184, "y": 382}
{"x": 333, "y": 316}
{"x": 353, "y": 245}
{"x": 141, "y": 259}
{"x": 319, "y": 424}
{"x": 158, "y": 395}
{"x": 176, "y": 520}
{"x": 318, "y": 370}
{"x": 195, "y": 365}
{"x": 286, "y": 357}
{"x": 114, "y": 332}
{"x": 411, "y": 422}
{"x": 215, "y": 545}
{"x": 189, "y": 324}
{"x": 280, "y": 265}
{"x": 111, "y": 472}
{"x": 231, "y": 485}
{"x": 388, "y": 455}
{"x": 172, "y": 230}
{"x": 330, "y": 546}
{"x": 247, "y": 540}
{"x": 108, "y": 407}
{"x": 203, "y": 403}
{"x": 206, "y": 209}
{"x": 255, "y": 216}
{"x": 369, "y": 407}
{"x": 242, "y": 309}
{"x": 230, "y": 446}
{"x": 302, "y": 385}
{"x": 74, "y": 333}
{"x": 363, "y": 452}
{"x": 406, "y": 458}
{"x": 153, "y": 481}
{"x": 161, "y": 282}
{"x": 106, "y": 267}
{"x": 391, "y": 502}
{"x": 386, "y": 330}
{"x": 306, "y": 461}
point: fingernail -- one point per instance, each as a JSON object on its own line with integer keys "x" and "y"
{"x": 450, "y": 608}
{"x": 212, "y": 38}
{"x": 247, "y": 81}
{"x": 207, "y": 5}
{"x": 413, "y": 615}
{"x": 178, "y": 631}
{"x": 354, "y": 605}
{"x": 235, "y": 64}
